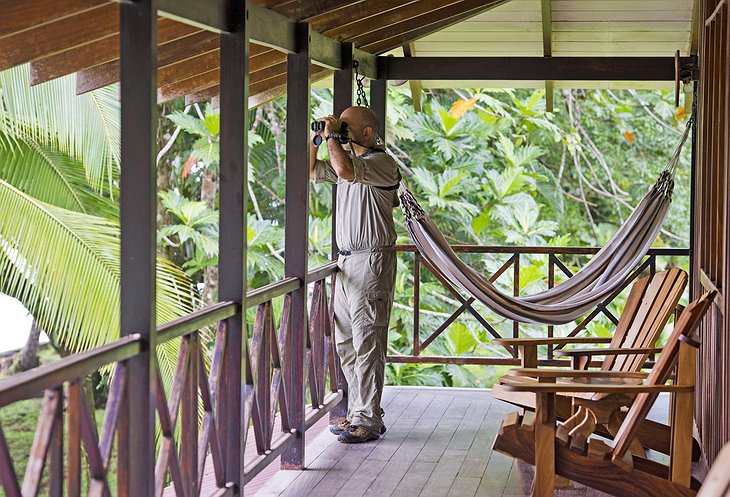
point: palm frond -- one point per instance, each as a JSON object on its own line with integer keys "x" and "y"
{"x": 64, "y": 267}
{"x": 52, "y": 177}
{"x": 86, "y": 127}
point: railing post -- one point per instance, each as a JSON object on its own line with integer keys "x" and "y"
{"x": 296, "y": 234}
{"x": 342, "y": 100}
{"x": 416, "y": 302}
{"x": 138, "y": 92}
{"x": 232, "y": 237}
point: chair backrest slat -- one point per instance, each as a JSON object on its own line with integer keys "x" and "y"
{"x": 650, "y": 308}
{"x": 686, "y": 325}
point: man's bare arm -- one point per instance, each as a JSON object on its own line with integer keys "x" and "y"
{"x": 341, "y": 162}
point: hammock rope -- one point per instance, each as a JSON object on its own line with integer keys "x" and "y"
{"x": 576, "y": 296}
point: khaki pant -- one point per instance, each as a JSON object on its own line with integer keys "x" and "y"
{"x": 363, "y": 300}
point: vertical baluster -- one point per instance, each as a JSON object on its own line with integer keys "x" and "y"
{"x": 189, "y": 418}
{"x": 516, "y": 269}
{"x": 8, "y": 478}
{"x": 416, "y": 303}
{"x": 73, "y": 436}
{"x": 264, "y": 371}
{"x": 56, "y": 449}
{"x": 551, "y": 284}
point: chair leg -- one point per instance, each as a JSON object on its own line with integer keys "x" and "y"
{"x": 544, "y": 482}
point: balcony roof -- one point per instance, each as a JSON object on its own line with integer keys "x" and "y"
{"x": 82, "y": 36}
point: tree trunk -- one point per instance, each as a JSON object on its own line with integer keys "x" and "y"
{"x": 27, "y": 358}
{"x": 208, "y": 193}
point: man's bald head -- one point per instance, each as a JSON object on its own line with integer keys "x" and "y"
{"x": 359, "y": 119}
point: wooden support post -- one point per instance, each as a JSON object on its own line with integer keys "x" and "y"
{"x": 138, "y": 197}
{"x": 232, "y": 238}
{"x": 683, "y": 418}
{"x": 379, "y": 102}
{"x": 544, "y": 482}
{"x": 528, "y": 356}
{"x": 343, "y": 87}
{"x": 296, "y": 235}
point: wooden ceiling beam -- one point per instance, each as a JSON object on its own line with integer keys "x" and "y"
{"x": 106, "y": 50}
{"x": 393, "y": 36}
{"x": 211, "y": 15}
{"x": 59, "y": 35}
{"x": 531, "y": 68}
{"x": 18, "y": 16}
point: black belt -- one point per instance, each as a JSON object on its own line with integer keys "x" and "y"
{"x": 373, "y": 249}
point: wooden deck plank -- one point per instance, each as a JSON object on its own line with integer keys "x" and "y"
{"x": 443, "y": 475}
{"x": 476, "y": 460}
{"x": 440, "y": 439}
{"x": 438, "y": 443}
{"x": 464, "y": 486}
{"x": 469, "y": 426}
{"x": 415, "y": 479}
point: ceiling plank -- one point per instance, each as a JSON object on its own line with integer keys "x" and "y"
{"x": 107, "y": 50}
{"x": 260, "y": 92}
{"x": 393, "y": 36}
{"x": 59, "y": 35}
{"x": 298, "y": 10}
{"x": 18, "y": 16}
{"x": 381, "y": 17}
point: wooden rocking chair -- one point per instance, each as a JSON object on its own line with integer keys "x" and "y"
{"x": 570, "y": 451}
{"x": 650, "y": 304}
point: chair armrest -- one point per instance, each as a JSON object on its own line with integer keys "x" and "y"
{"x": 607, "y": 351}
{"x": 571, "y": 373}
{"x": 518, "y": 386}
{"x": 517, "y": 342}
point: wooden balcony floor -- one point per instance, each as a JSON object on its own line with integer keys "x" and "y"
{"x": 438, "y": 444}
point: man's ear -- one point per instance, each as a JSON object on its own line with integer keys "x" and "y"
{"x": 367, "y": 131}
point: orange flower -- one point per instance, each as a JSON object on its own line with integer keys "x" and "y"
{"x": 188, "y": 166}
{"x": 681, "y": 114}
{"x": 628, "y": 136}
{"x": 461, "y": 106}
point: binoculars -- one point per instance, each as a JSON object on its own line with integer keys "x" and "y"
{"x": 341, "y": 135}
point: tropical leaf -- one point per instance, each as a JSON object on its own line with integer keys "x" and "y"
{"x": 85, "y": 127}
{"x": 64, "y": 267}
{"x": 52, "y": 177}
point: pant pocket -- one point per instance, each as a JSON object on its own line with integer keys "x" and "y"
{"x": 378, "y": 304}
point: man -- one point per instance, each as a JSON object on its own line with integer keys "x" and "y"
{"x": 367, "y": 181}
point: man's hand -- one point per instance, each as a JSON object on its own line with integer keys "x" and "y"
{"x": 331, "y": 125}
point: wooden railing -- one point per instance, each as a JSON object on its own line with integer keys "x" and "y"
{"x": 190, "y": 414}
{"x": 555, "y": 261}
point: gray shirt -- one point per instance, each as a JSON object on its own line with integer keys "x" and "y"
{"x": 364, "y": 205}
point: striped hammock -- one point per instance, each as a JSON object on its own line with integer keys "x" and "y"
{"x": 578, "y": 295}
